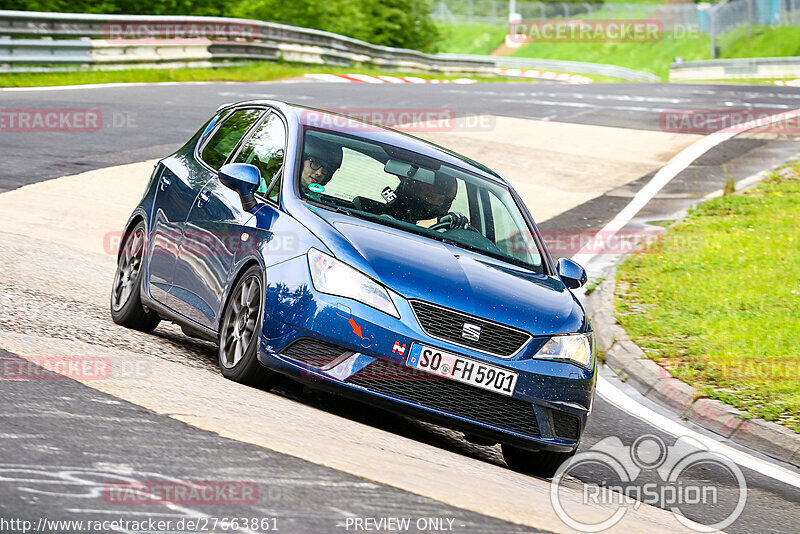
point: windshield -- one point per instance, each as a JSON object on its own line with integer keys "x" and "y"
{"x": 394, "y": 187}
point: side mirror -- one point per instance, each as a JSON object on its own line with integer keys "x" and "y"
{"x": 572, "y": 274}
{"x": 242, "y": 178}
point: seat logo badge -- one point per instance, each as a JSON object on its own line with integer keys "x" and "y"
{"x": 471, "y": 332}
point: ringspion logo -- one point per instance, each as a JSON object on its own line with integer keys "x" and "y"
{"x": 674, "y": 477}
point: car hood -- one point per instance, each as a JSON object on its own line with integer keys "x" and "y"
{"x": 429, "y": 270}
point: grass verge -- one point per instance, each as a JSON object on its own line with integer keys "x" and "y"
{"x": 742, "y": 81}
{"x": 253, "y": 72}
{"x": 472, "y": 38}
{"x": 717, "y": 300}
{"x": 656, "y": 57}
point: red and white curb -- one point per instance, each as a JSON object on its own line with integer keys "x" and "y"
{"x": 366, "y": 78}
{"x": 544, "y": 75}
{"x": 791, "y": 83}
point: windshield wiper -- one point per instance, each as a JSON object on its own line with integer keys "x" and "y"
{"x": 340, "y": 209}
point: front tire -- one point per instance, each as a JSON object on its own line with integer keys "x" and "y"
{"x": 126, "y": 302}
{"x": 542, "y": 464}
{"x": 238, "y": 337}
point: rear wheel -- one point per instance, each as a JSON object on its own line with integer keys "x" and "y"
{"x": 126, "y": 303}
{"x": 238, "y": 337}
{"x": 541, "y": 463}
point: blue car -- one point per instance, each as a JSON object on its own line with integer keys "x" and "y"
{"x": 368, "y": 263}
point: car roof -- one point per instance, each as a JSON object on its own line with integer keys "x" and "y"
{"x": 308, "y": 116}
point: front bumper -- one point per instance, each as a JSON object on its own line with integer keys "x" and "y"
{"x": 345, "y": 347}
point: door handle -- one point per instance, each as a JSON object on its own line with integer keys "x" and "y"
{"x": 204, "y": 197}
{"x": 165, "y": 182}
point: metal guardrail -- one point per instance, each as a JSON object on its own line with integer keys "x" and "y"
{"x": 52, "y": 40}
{"x": 611, "y": 71}
{"x": 337, "y": 49}
{"x": 739, "y": 68}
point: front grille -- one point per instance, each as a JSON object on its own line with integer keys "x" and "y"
{"x": 312, "y": 352}
{"x": 447, "y": 324}
{"x": 566, "y": 426}
{"x": 448, "y": 396}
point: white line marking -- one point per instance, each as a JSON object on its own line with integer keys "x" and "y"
{"x": 615, "y": 396}
{"x": 328, "y": 78}
{"x": 622, "y": 401}
{"x": 121, "y": 512}
{"x": 676, "y": 165}
{"x": 102, "y": 86}
{"x": 665, "y": 175}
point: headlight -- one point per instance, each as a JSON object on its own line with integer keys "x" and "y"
{"x": 578, "y": 348}
{"x": 334, "y": 277}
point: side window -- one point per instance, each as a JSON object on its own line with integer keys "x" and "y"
{"x": 228, "y": 135}
{"x": 508, "y": 236}
{"x": 265, "y": 150}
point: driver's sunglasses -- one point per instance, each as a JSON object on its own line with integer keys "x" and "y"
{"x": 316, "y": 165}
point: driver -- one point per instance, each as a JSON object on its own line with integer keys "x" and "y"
{"x": 419, "y": 201}
{"x": 320, "y": 160}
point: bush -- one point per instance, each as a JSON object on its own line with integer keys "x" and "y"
{"x": 399, "y": 23}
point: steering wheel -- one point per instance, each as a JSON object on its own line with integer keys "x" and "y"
{"x": 445, "y": 225}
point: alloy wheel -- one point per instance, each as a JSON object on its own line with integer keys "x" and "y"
{"x": 128, "y": 269}
{"x": 241, "y": 318}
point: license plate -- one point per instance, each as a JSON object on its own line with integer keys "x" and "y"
{"x": 461, "y": 369}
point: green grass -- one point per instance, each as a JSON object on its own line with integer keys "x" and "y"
{"x": 472, "y": 38}
{"x": 717, "y": 300}
{"x": 780, "y": 41}
{"x": 656, "y": 57}
{"x": 743, "y": 81}
{"x": 259, "y": 71}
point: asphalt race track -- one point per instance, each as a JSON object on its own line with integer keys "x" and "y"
{"x": 320, "y": 463}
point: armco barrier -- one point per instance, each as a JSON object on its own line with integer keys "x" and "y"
{"x": 732, "y": 69}
{"x": 85, "y": 39}
{"x": 612, "y": 71}
{"x": 46, "y": 52}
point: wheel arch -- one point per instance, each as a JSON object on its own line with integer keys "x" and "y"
{"x": 243, "y": 266}
{"x": 134, "y": 220}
